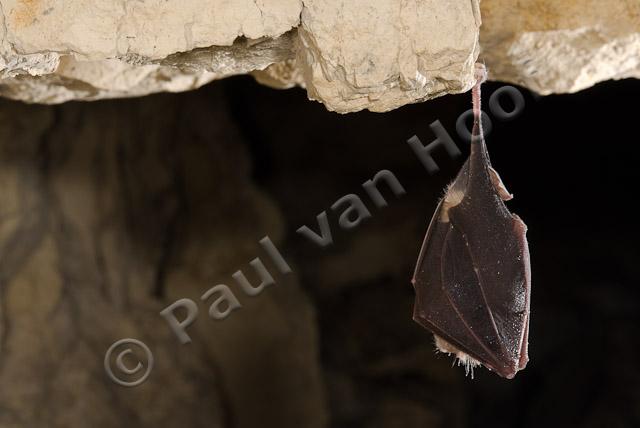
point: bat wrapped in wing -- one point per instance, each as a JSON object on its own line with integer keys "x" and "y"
{"x": 472, "y": 279}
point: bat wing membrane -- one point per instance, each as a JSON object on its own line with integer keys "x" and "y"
{"x": 472, "y": 278}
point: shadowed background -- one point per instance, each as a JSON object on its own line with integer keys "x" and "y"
{"x": 112, "y": 210}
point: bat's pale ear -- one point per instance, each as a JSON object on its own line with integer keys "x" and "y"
{"x": 499, "y": 185}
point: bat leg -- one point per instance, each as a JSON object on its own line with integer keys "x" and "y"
{"x": 468, "y": 362}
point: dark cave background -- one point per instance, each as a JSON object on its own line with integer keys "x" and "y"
{"x": 131, "y": 204}
{"x": 571, "y": 162}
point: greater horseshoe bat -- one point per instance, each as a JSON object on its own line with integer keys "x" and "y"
{"x": 472, "y": 279}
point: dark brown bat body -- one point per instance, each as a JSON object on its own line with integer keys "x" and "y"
{"x": 472, "y": 279}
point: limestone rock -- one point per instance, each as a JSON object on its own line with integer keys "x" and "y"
{"x": 544, "y": 45}
{"x": 52, "y": 52}
{"x": 54, "y": 78}
{"x": 149, "y": 30}
{"x": 281, "y": 75}
{"x": 559, "y": 47}
{"x": 382, "y": 55}
{"x": 348, "y": 55}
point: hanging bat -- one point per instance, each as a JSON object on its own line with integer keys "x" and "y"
{"x": 472, "y": 279}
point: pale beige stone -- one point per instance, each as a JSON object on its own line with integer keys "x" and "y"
{"x": 348, "y": 55}
{"x": 54, "y": 78}
{"x": 151, "y": 29}
{"x": 382, "y": 55}
{"x": 281, "y": 75}
{"x": 558, "y": 47}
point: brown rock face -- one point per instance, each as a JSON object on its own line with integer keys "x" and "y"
{"x": 104, "y": 221}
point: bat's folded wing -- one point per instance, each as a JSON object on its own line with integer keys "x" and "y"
{"x": 472, "y": 279}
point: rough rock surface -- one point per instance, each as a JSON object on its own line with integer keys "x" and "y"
{"x": 557, "y": 47}
{"x": 382, "y": 55}
{"x": 351, "y": 55}
{"x": 52, "y": 52}
{"x": 348, "y": 55}
{"x": 104, "y": 222}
